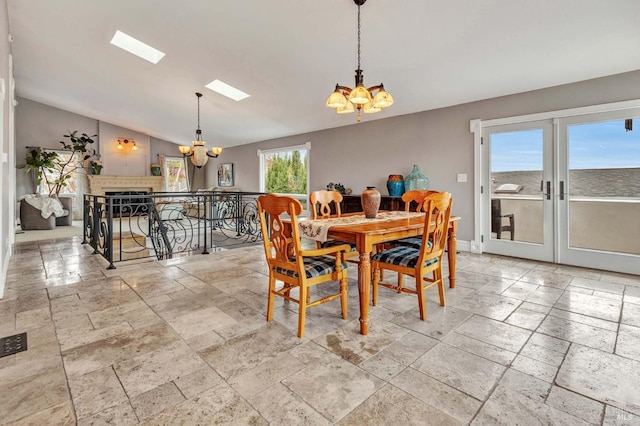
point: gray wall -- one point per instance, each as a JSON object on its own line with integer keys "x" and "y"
{"x": 44, "y": 126}
{"x": 439, "y": 141}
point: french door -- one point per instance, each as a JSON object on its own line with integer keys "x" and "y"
{"x": 518, "y": 159}
{"x": 572, "y": 186}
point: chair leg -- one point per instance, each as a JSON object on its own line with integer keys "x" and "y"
{"x": 302, "y": 310}
{"x": 400, "y": 282}
{"x": 344, "y": 297}
{"x": 421, "y": 302}
{"x": 270, "y": 300}
{"x": 437, "y": 275}
{"x": 374, "y": 284}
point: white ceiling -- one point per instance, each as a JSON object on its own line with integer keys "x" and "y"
{"x": 289, "y": 54}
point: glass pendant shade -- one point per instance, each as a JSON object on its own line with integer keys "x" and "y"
{"x": 199, "y": 157}
{"x": 216, "y": 151}
{"x": 184, "y": 149}
{"x": 336, "y": 100}
{"x": 347, "y": 109}
{"x": 382, "y": 99}
{"x": 360, "y": 95}
{"x": 368, "y": 108}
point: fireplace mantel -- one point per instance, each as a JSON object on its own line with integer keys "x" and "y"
{"x": 99, "y": 184}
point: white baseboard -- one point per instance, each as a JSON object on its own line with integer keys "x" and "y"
{"x": 463, "y": 245}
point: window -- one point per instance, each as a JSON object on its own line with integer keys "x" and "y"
{"x": 176, "y": 178}
{"x": 50, "y": 176}
{"x": 286, "y": 171}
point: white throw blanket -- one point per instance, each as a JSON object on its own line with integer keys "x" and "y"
{"x": 46, "y": 205}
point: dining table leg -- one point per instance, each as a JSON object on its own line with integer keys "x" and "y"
{"x": 364, "y": 289}
{"x": 452, "y": 247}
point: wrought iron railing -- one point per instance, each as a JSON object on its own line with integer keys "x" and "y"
{"x": 133, "y": 225}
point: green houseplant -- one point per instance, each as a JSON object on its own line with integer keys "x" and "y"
{"x": 54, "y": 170}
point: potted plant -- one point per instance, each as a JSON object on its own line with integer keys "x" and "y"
{"x": 95, "y": 167}
{"x": 54, "y": 171}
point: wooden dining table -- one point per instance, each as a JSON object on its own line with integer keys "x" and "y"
{"x": 366, "y": 234}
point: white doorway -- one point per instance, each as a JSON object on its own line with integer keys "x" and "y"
{"x": 567, "y": 187}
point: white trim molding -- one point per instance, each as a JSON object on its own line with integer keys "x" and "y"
{"x": 475, "y": 127}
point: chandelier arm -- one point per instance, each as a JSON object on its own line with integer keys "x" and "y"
{"x": 378, "y": 87}
{"x": 188, "y": 155}
{"x": 345, "y": 89}
{"x": 211, "y": 155}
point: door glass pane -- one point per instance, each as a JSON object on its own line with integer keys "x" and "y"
{"x": 516, "y": 165}
{"x": 604, "y": 186}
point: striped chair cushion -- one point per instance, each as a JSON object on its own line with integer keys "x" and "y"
{"x": 314, "y": 266}
{"x": 402, "y": 256}
{"x": 413, "y": 242}
{"x": 333, "y": 243}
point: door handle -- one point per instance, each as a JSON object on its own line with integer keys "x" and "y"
{"x": 562, "y": 190}
{"x": 548, "y": 193}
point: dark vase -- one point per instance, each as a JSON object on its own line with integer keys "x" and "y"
{"x": 155, "y": 169}
{"x": 370, "y": 199}
{"x": 395, "y": 185}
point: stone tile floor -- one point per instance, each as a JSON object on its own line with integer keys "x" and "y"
{"x": 185, "y": 341}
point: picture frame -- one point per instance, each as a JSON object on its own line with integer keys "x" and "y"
{"x": 225, "y": 174}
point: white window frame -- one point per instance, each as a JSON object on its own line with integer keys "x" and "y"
{"x": 261, "y": 156}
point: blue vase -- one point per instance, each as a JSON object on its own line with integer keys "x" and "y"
{"x": 416, "y": 180}
{"x": 395, "y": 185}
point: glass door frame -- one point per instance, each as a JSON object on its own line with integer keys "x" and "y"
{"x": 599, "y": 259}
{"x": 546, "y": 250}
{"x": 476, "y": 127}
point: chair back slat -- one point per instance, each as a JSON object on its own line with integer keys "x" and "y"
{"x": 416, "y": 198}
{"x": 437, "y": 207}
{"x": 278, "y": 246}
{"x": 320, "y": 203}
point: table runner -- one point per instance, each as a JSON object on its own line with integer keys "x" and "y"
{"x": 318, "y": 229}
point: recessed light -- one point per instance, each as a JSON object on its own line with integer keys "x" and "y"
{"x": 226, "y": 90}
{"x": 138, "y": 48}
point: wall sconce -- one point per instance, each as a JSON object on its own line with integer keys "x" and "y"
{"x": 122, "y": 143}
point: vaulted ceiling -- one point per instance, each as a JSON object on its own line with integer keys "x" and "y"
{"x": 289, "y": 54}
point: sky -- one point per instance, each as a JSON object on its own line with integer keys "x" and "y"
{"x": 591, "y": 146}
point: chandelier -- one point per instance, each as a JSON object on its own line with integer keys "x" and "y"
{"x": 346, "y": 100}
{"x": 198, "y": 153}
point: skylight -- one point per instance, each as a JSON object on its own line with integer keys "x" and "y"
{"x": 138, "y": 48}
{"x": 226, "y": 90}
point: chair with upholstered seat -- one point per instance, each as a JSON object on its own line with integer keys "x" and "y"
{"x": 413, "y": 201}
{"x": 297, "y": 268}
{"x": 496, "y": 220}
{"x": 323, "y": 205}
{"x": 419, "y": 262}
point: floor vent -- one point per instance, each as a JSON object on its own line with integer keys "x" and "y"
{"x": 13, "y": 344}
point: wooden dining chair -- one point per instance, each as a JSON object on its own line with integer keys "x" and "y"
{"x": 419, "y": 262}
{"x": 323, "y": 205}
{"x": 413, "y": 201}
{"x": 295, "y": 267}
